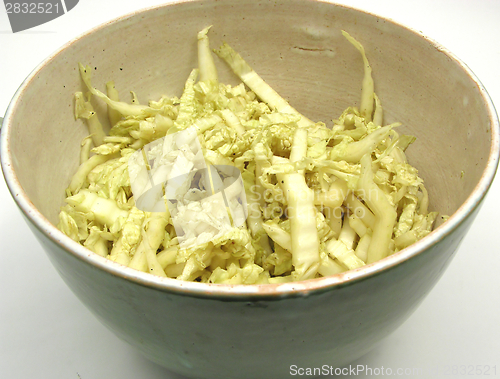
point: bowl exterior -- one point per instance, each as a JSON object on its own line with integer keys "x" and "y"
{"x": 250, "y": 337}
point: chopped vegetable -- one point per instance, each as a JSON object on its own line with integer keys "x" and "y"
{"x": 231, "y": 184}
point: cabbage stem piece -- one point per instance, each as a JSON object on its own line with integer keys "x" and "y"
{"x": 299, "y": 147}
{"x": 85, "y": 149}
{"x": 84, "y": 109}
{"x": 281, "y": 279}
{"x": 124, "y": 108}
{"x": 255, "y": 201}
{"x": 129, "y": 238}
{"x": 352, "y": 152}
{"x": 347, "y": 235}
{"x": 362, "y": 247}
{"x": 368, "y": 88}
{"x": 95, "y": 130}
{"x": 233, "y": 121}
{"x": 278, "y": 235}
{"x": 257, "y": 84}
{"x": 334, "y": 197}
{"x": 406, "y": 239}
{"x": 145, "y": 255}
{"x": 301, "y": 213}
{"x": 96, "y": 242}
{"x": 135, "y": 99}
{"x": 339, "y": 250}
{"x": 424, "y": 203}
{"x": 154, "y": 266}
{"x": 378, "y": 113}
{"x": 329, "y": 267}
{"x": 208, "y": 72}
{"x": 152, "y": 239}
{"x": 334, "y": 217}
{"x": 139, "y": 261}
{"x": 187, "y": 102}
{"x": 118, "y": 253}
{"x": 384, "y": 212}
{"x": 331, "y": 199}
{"x": 406, "y": 219}
{"x": 113, "y": 115}
{"x": 360, "y": 210}
{"x": 194, "y": 265}
{"x": 357, "y": 225}
{"x": 342, "y": 248}
{"x": 168, "y": 256}
{"x": 84, "y": 169}
{"x": 106, "y": 211}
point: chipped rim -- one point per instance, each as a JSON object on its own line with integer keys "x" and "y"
{"x": 245, "y": 291}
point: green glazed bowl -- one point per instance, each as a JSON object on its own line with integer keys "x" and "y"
{"x": 223, "y": 331}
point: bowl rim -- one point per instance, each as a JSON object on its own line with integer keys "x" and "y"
{"x": 245, "y": 291}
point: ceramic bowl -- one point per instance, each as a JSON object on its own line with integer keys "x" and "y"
{"x": 224, "y": 331}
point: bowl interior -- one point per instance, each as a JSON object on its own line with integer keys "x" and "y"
{"x": 297, "y": 47}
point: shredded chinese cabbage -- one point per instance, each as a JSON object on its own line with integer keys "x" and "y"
{"x": 321, "y": 200}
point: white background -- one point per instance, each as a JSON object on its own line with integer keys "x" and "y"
{"x": 45, "y": 332}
